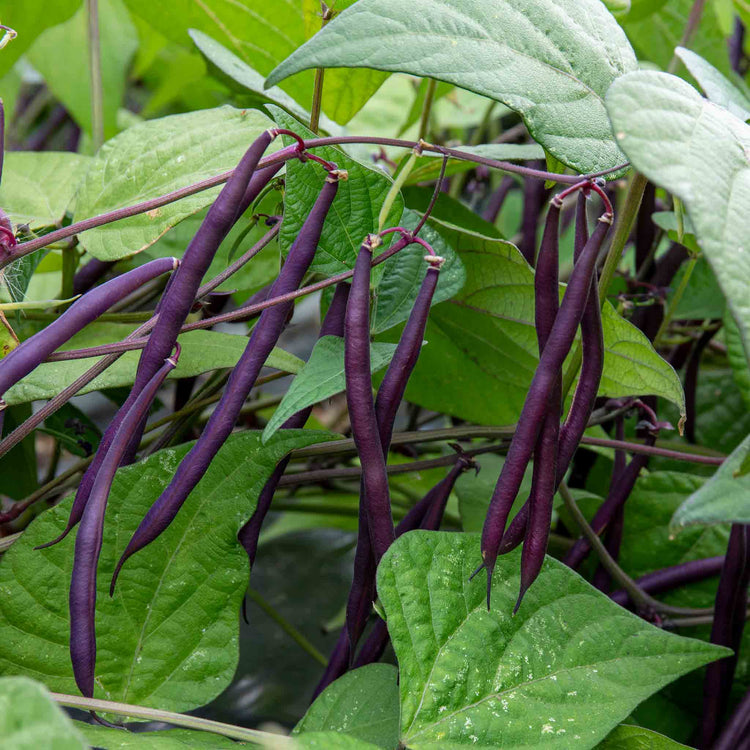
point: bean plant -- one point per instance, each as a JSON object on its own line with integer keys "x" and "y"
{"x": 374, "y": 374}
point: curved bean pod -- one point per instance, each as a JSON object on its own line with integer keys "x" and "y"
{"x": 375, "y": 496}
{"x": 729, "y": 621}
{"x": 32, "y": 352}
{"x": 535, "y": 407}
{"x": 262, "y": 340}
{"x": 82, "y": 597}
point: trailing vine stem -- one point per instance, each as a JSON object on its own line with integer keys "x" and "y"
{"x": 283, "y": 155}
{"x": 264, "y": 739}
{"x": 643, "y": 601}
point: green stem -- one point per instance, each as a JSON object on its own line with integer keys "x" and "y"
{"x": 638, "y": 596}
{"x": 623, "y": 225}
{"x": 287, "y": 627}
{"x": 7, "y": 542}
{"x": 676, "y": 298}
{"x": 690, "y": 28}
{"x": 317, "y": 98}
{"x": 265, "y": 739}
{"x": 424, "y": 120}
{"x": 95, "y": 70}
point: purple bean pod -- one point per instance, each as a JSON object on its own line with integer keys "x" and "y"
{"x": 674, "y": 577}
{"x": 729, "y": 621}
{"x": 375, "y": 496}
{"x": 333, "y": 325}
{"x": 82, "y": 598}
{"x": 263, "y": 338}
{"x": 546, "y": 305}
{"x": 537, "y": 400}
{"x": 88, "y": 275}
{"x": 393, "y": 386}
{"x": 736, "y": 729}
{"x": 32, "y": 352}
{"x": 176, "y": 302}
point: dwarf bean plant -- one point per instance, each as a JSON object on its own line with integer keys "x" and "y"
{"x": 374, "y": 374}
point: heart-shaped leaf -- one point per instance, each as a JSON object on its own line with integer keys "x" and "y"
{"x": 563, "y": 671}
{"x": 550, "y": 60}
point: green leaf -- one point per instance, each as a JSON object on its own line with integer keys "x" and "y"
{"x": 157, "y": 157}
{"x": 322, "y": 377}
{"x": 362, "y": 704}
{"x": 38, "y": 187}
{"x": 737, "y": 359}
{"x": 716, "y": 87}
{"x": 169, "y": 636}
{"x": 483, "y": 341}
{"x": 722, "y": 499}
{"x": 29, "y": 19}
{"x": 355, "y": 210}
{"x": 168, "y": 739}
{"x": 566, "y": 669}
{"x": 628, "y": 737}
{"x": 73, "y": 429}
{"x": 30, "y": 719}
{"x": 63, "y": 49}
{"x": 202, "y": 351}
{"x": 238, "y": 74}
{"x": 703, "y": 297}
{"x": 550, "y": 61}
{"x": 403, "y": 276}
{"x": 18, "y": 467}
{"x": 699, "y": 152}
{"x": 262, "y": 34}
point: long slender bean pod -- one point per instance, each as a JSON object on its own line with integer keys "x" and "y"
{"x": 585, "y": 393}
{"x": 365, "y": 430}
{"x": 262, "y": 340}
{"x": 736, "y": 728}
{"x": 333, "y": 325}
{"x": 82, "y": 599}
{"x": 32, "y": 352}
{"x": 728, "y": 624}
{"x": 535, "y": 407}
{"x": 546, "y": 304}
{"x": 674, "y": 577}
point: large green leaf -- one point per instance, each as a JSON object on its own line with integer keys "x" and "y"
{"x": 403, "y": 276}
{"x": 716, "y": 87}
{"x": 565, "y": 670}
{"x": 737, "y": 359}
{"x": 63, "y": 49}
{"x": 699, "y": 152}
{"x": 262, "y": 34}
{"x": 201, "y": 351}
{"x": 483, "y": 340}
{"x": 29, "y": 718}
{"x": 724, "y": 498}
{"x": 629, "y": 737}
{"x": 322, "y": 377}
{"x": 169, "y": 636}
{"x": 38, "y": 187}
{"x": 157, "y": 157}
{"x": 549, "y": 60}
{"x": 355, "y": 210}
{"x": 362, "y": 703}
{"x": 29, "y": 19}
